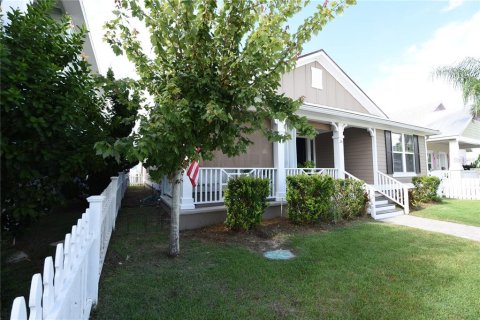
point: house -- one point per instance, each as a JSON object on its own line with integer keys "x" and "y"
{"x": 74, "y": 8}
{"x": 455, "y": 146}
{"x": 355, "y": 139}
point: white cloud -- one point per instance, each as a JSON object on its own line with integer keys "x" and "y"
{"x": 453, "y": 4}
{"x": 408, "y": 83}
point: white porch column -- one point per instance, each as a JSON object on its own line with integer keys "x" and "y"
{"x": 279, "y": 164}
{"x": 338, "y": 152}
{"x": 186, "y": 200}
{"x": 454, "y": 153}
{"x": 373, "y": 135}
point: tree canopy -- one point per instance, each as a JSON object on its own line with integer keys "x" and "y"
{"x": 466, "y": 76}
{"x": 213, "y": 72}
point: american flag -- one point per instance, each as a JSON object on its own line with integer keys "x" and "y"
{"x": 192, "y": 172}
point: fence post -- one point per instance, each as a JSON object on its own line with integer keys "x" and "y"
{"x": 19, "y": 309}
{"x": 96, "y": 215}
{"x": 186, "y": 199}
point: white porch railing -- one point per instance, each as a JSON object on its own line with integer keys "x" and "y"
{"x": 69, "y": 286}
{"x": 332, "y": 172}
{"x": 212, "y": 182}
{"x": 393, "y": 189}
{"x": 463, "y": 185}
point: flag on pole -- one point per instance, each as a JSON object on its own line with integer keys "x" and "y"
{"x": 192, "y": 172}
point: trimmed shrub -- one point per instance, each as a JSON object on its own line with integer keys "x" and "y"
{"x": 246, "y": 200}
{"x": 349, "y": 199}
{"x": 309, "y": 198}
{"x": 425, "y": 190}
{"x": 307, "y": 164}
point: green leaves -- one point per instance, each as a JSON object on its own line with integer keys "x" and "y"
{"x": 246, "y": 201}
{"x": 213, "y": 73}
{"x": 52, "y": 113}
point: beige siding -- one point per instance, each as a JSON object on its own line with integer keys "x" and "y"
{"x": 298, "y": 83}
{"x": 358, "y": 153}
{"x": 324, "y": 150}
{"x": 258, "y": 155}
{"x": 382, "y": 156}
{"x": 320, "y": 126}
{"x": 472, "y": 130}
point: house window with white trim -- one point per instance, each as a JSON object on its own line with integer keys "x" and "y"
{"x": 403, "y": 152}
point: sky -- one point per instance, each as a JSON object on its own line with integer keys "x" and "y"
{"x": 389, "y": 48}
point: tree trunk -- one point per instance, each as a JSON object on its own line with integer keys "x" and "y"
{"x": 175, "y": 215}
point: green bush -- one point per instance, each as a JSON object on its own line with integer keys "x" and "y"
{"x": 349, "y": 199}
{"x": 246, "y": 200}
{"x": 425, "y": 190}
{"x": 307, "y": 164}
{"x": 309, "y": 198}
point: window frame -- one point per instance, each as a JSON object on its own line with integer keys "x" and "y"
{"x": 404, "y": 153}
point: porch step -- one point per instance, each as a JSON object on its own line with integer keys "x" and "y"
{"x": 389, "y": 214}
{"x": 386, "y": 208}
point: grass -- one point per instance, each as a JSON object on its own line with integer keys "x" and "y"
{"x": 365, "y": 270}
{"x": 460, "y": 211}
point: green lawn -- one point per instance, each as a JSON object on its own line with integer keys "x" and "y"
{"x": 366, "y": 270}
{"x": 460, "y": 211}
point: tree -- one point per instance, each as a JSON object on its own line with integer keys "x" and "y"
{"x": 122, "y": 101}
{"x": 213, "y": 72}
{"x": 465, "y": 75}
{"x": 50, "y": 111}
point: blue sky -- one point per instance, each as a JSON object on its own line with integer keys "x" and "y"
{"x": 375, "y": 32}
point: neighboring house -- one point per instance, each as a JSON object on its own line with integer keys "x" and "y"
{"x": 355, "y": 139}
{"x": 455, "y": 146}
{"x": 458, "y": 143}
{"x": 74, "y": 8}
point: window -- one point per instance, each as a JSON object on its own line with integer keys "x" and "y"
{"x": 403, "y": 151}
{"x": 317, "y": 79}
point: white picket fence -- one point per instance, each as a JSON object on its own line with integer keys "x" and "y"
{"x": 69, "y": 286}
{"x": 463, "y": 185}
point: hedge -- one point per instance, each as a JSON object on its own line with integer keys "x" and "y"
{"x": 309, "y": 198}
{"x": 349, "y": 199}
{"x": 425, "y": 190}
{"x": 246, "y": 200}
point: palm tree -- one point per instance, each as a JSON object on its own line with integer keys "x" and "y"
{"x": 465, "y": 75}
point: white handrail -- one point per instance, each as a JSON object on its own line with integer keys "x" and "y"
{"x": 393, "y": 190}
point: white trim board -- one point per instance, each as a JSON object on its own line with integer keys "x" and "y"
{"x": 328, "y": 114}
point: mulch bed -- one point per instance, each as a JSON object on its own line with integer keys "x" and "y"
{"x": 269, "y": 235}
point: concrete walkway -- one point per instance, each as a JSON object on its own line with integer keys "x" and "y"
{"x": 454, "y": 229}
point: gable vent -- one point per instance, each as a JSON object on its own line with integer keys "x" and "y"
{"x": 317, "y": 78}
